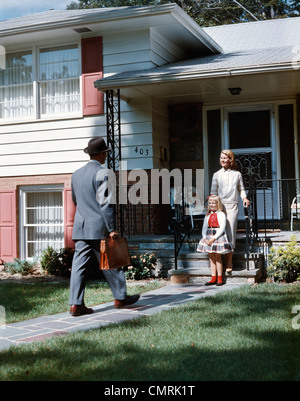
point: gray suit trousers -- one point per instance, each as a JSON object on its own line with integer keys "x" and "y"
{"x": 83, "y": 256}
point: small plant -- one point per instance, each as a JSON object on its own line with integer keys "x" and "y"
{"x": 284, "y": 262}
{"x": 57, "y": 263}
{"x": 19, "y": 266}
{"x": 141, "y": 266}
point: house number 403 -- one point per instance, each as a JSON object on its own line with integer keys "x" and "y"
{"x": 141, "y": 151}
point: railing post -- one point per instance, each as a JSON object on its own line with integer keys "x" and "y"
{"x": 246, "y": 212}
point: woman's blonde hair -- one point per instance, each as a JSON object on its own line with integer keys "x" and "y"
{"x": 216, "y": 199}
{"x": 229, "y": 153}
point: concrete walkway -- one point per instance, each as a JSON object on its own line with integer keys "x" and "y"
{"x": 151, "y": 302}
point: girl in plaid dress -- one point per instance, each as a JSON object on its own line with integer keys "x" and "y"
{"x": 214, "y": 239}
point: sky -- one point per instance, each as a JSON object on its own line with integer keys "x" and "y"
{"x": 19, "y": 8}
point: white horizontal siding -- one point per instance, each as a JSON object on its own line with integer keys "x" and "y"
{"x": 42, "y": 169}
{"x": 42, "y": 157}
{"x": 160, "y": 118}
{"x": 128, "y": 51}
{"x": 115, "y": 43}
{"x": 137, "y": 136}
{"x": 37, "y": 148}
{"x": 57, "y": 147}
{"x": 135, "y": 57}
{"x": 137, "y": 50}
{"x": 116, "y": 69}
{"x": 164, "y": 51}
{"x": 45, "y": 135}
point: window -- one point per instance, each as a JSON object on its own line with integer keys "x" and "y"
{"x": 16, "y": 87}
{"x": 42, "y": 221}
{"x": 51, "y": 90}
{"x": 249, "y": 129}
{"x": 59, "y": 80}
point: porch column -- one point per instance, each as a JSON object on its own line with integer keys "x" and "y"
{"x": 113, "y": 128}
{"x": 113, "y": 134}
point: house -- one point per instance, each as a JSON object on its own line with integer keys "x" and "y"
{"x": 175, "y": 92}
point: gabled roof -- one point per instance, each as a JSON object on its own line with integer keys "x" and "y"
{"x": 168, "y": 19}
{"x": 247, "y": 48}
{"x": 55, "y": 17}
{"x": 257, "y": 34}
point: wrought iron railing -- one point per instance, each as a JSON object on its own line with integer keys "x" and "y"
{"x": 274, "y": 205}
{"x": 141, "y": 217}
{"x": 180, "y": 226}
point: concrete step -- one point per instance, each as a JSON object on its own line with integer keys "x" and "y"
{"x": 195, "y": 268}
{"x": 201, "y": 275}
{"x": 196, "y": 259}
{"x": 188, "y": 258}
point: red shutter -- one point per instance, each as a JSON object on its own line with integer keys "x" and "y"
{"x": 69, "y": 213}
{"x": 92, "y": 100}
{"x": 91, "y": 50}
{"x": 8, "y": 225}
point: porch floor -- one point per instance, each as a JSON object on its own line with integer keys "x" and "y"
{"x": 279, "y": 236}
{"x": 271, "y": 235}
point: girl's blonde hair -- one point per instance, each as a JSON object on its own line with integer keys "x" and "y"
{"x": 229, "y": 153}
{"x": 216, "y": 199}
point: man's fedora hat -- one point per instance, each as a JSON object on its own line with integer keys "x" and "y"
{"x": 96, "y": 145}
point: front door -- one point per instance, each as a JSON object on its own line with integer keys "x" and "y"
{"x": 249, "y": 132}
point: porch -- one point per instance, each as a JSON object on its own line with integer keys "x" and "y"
{"x": 260, "y": 228}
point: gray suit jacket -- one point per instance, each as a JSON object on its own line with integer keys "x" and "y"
{"x": 94, "y": 217}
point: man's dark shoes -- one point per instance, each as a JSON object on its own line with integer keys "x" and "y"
{"x": 129, "y": 300}
{"x": 79, "y": 310}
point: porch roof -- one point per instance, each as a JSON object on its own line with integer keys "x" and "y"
{"x": 226, "y": 64}
{"x": 248, "y": 48}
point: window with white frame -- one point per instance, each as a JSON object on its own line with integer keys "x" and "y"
{"x": 51, "y": 89}
{"x": 59, "y": 80}
{"x": 16, "y": 87}
{"x": 42, "y": 221}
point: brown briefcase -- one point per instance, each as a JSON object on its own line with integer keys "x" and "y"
{"x": 114, "y": 253}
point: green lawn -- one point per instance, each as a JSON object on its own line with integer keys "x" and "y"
{"x": 24, "y": 301}
{"x": 243, "y": 334}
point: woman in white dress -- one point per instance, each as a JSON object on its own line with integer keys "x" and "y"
{"x": 228, "y": 184}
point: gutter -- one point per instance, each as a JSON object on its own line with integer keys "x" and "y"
{"x": 118, "y": 83}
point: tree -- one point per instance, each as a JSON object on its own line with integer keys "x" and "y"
{"x": 211, "y": 12}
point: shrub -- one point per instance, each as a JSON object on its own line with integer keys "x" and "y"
{"x": 141, "y": 266}
{"x": 284, "y": 262}
{"x": 57, "y": 263}
{"x": 19, "y": 266}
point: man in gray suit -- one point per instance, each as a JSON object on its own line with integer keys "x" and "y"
{"x": 94, "y": 220}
